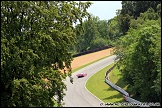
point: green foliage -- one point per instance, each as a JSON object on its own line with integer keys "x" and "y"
{"x": 102, "y": 26}
{"x": 114, "y": 31}
{"x": 150, "y": 14}
{"x": 36, "y": 37}
{"x": 96, "y": 85}
{"x": 133, "y": 9}
{"x": 140, "y": 53}
{"x": 99, "y": 43}
{"x": 96, "y": 33}
{"x": 86, "y": 37}
{"x": 159, "y": 9}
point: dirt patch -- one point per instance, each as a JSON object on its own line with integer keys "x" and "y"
{"x": 84, "y": 59}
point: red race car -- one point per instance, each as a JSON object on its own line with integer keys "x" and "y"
{"x": 81, "y": 75}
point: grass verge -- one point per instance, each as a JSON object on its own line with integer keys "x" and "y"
{"x": 97, "y": 86}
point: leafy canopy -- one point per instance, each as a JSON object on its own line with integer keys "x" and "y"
{"x": 36, "y": 37}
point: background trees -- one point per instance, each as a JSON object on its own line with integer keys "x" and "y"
{"x": 135, "y": 34}
{"x": 140, "y": 53}
{"x": 86, "y": 37}
{"x": 132, "y": 9}
{"x": 35, "y": 35}
{"x": 37, "y": 40}
{"x": 96, "y": 34}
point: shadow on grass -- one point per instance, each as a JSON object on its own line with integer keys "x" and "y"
{"x": 115, "y": 96}
{"x": 110, "y": 89}
{"x": 121, "y": 83}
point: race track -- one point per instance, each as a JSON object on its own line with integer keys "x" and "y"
{"x": 77, "y": 95}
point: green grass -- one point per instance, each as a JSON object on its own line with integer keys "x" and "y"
{"x": 97, "y": 86}
{"x": 116, "y": 78}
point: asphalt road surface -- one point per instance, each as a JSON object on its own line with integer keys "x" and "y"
{"x": 77, "y": 95}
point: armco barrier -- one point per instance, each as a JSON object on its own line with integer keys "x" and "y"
{"x": 135, "y": 102}
{"x": 126, "y": 95}
{"x": 116, "y": 87}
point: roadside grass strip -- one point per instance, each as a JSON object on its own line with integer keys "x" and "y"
{"x": 97, "y": 86}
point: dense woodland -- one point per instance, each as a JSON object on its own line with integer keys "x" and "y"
{"x": 38, "y": 40}
{"x": 139, "y": 50}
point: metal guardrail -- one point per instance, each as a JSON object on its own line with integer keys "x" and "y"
{"x": 135, "y": 102}
{"x": 116, "y": 87}
{"x": 126, "y": 95}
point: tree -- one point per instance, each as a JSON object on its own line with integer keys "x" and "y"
{"x": 102, "y": 26}
{"x": 139, "y": 53}
{"x": 90, "y": 33}
{"x": 148, "y": 15}
{"x": 132, "y": 10}
{"x": 113, "y": 28}
{"x": 36, "y": 37}
{"x": 145, "y": 63}
{"x": 140, "y": 59}
{"x": 99, "y": 43}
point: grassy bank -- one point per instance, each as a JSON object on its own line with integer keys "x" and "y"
{"x": 97, "y": 86}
